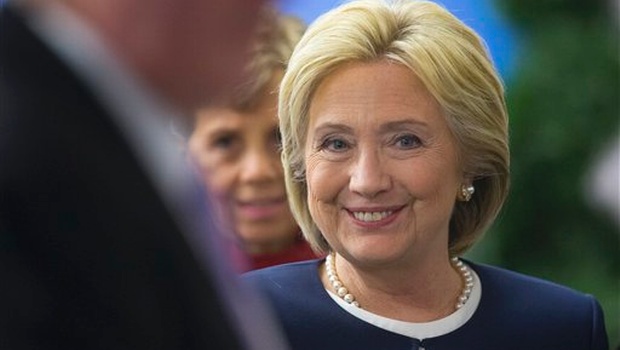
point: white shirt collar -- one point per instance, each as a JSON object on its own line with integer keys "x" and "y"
{"x": 423, "y": 330}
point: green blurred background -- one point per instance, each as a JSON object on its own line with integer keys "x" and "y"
{"x": 563, "y": 98}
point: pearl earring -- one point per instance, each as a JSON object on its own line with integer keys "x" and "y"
{"x": 467, "y": 191}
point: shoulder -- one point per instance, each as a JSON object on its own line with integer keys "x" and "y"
{"x": 500, "y": 282}
{"x": 297, "y": 273}
{"x": 548, "y": 312}
{"x": 292, "y": 289}
{"x": 290, "y": 286}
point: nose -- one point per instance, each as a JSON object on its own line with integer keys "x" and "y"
{"x": 260, "y": 165}
{"x": 368, "y": 175}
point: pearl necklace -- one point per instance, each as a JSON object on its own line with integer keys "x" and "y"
{"x": 343, "y": 292}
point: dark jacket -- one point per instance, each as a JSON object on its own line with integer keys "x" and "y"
{"x": 90, "y": 257}
{"x": 515, "y": 312}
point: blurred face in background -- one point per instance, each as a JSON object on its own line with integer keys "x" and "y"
{"x": 238, "y": 153}
{"x": 212, "y": 44}
{"x": 192, "y": 52}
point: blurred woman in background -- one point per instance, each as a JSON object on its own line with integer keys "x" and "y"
{"x": 236, "y": 145}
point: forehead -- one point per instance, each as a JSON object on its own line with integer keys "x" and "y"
{"x": 221, "y": 118}
{"x": 373, "y": 91}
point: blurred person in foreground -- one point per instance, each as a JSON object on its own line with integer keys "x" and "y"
{"x": 101, "y": 246}
{"x": 396, "y": 157}
{"x": 236, "y": 146}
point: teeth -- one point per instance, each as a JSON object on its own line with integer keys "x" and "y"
{"x": 371, "y": 216}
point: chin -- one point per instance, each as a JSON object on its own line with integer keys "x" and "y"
{"x": 264, "y": 236}
{"x": 375, "y": 253}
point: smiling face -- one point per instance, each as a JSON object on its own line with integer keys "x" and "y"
{"x": 381, "y": 165}
{"x": 239, "y": 156}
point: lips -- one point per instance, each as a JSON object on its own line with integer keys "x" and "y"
{"x": 370, "y": 216}
{"x": 374, "y": 216}
{"x": 261, "y": 209}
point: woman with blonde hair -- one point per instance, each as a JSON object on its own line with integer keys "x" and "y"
{"x": 396, "y": 157}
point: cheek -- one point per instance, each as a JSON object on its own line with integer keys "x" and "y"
{"x": 433, "y": 183}
{"x": 276, "y": 161}
{"x": 325, "y": 182}
{"x": 322, "y": 180}
{"x": 221, "y": 179}
{"x": 320, "y": 212}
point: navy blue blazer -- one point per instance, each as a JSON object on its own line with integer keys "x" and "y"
{"x": 515, "y": 312}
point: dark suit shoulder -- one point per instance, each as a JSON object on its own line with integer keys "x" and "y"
{"x": 548, "y": 314}
{"x": 283, "y": 270}
{"x": 518, "y": 285}
{"x": 301, "y": 273}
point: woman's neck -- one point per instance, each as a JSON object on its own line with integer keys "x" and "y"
{"x": 271, "y": 247}
{"x": 421, "y": 293}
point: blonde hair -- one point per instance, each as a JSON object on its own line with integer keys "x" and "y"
{"x": 454, "y": 65}
{"x": 275, "y": 38}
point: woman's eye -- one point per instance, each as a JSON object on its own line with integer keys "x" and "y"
{"x": 335, "y": 145}
{"x": 408, "y": 141}
{"x": 224, "y": 142}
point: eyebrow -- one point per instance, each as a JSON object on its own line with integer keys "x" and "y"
{"x": 222, "y": 131}
{"x": 398, "y": 125}
{"x": 392, "y": 126}
{"x": 328, "y": 126}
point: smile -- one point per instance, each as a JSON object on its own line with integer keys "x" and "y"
{"x": 371, "y": 216}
